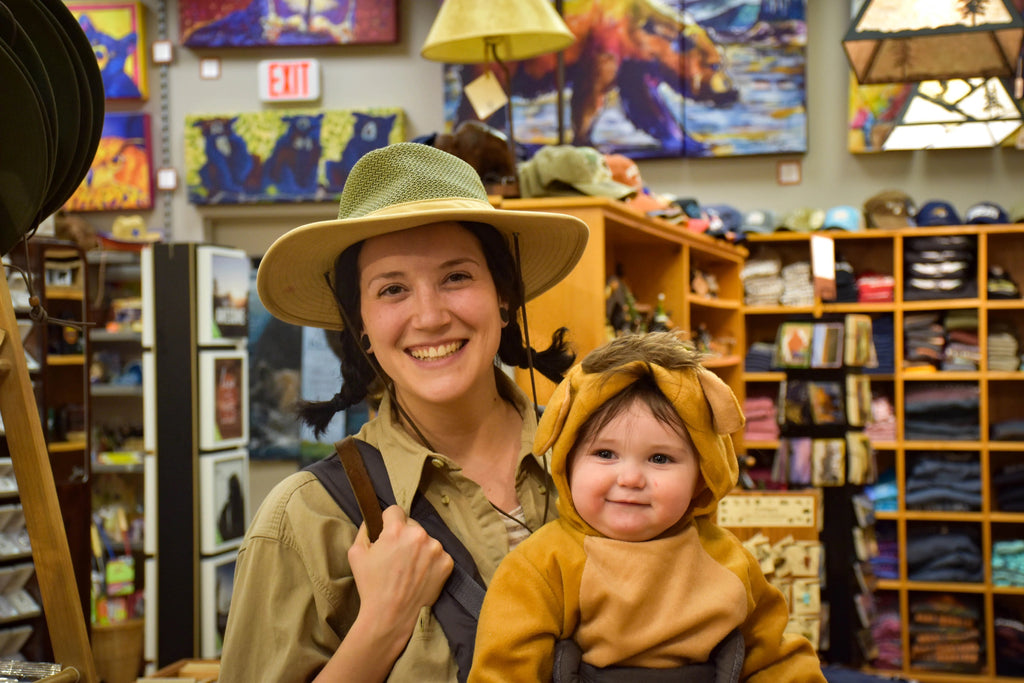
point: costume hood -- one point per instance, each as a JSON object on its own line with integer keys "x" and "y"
{"x": 706, "y": 404}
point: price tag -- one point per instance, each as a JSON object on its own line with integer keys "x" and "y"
{"x": 486, "y": 95}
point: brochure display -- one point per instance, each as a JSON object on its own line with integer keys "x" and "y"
{"x": 201, "y": 417}
{"x": 824, "y": 402}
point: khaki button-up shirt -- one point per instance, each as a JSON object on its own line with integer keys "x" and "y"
{"x": 294, "y": 597}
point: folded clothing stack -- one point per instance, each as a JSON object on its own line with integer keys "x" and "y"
{"x": 797, "y": 287}
{"x": 762, "y": 283}
{"x": 1003, "y": 348}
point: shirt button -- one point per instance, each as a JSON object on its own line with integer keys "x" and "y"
{"x": 542, "y": 488}
{"x": 445, "y": 499}
{"x": 437, "y": 462}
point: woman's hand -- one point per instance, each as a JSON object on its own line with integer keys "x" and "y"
{"x": 401, "y": 572}
{"x": 397, "y": 575}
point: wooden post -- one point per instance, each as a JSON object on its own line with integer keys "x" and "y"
{"x": 52, "y": 558}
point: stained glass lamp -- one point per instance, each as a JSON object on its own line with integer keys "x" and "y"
{"x": 896, "y": 41}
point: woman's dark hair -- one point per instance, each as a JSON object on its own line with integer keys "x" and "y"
{"x": 360, "y": 378}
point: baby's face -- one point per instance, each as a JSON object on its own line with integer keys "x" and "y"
{"x": 635, "y": 478}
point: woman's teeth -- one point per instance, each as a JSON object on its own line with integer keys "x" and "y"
{"x": 435, "y": 352}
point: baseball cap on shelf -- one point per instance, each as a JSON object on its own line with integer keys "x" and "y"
{"x": 937, "y": 212}
{"x": 848, "y": 218}
{"x": 890, "y": 209}
{"x": 729, "y": 218}
{"x": 559, "y": 170}
{"x": 625, "y": 171}
{"x": 696, "y": 218}
{"x": 759, "y": 221}
{"x": 803, "y": 219}
{"x": 986, "y": 212}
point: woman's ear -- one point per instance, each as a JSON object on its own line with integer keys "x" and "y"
{"x": 503, "y": 313}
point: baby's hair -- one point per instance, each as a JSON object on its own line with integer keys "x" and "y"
{"x": 654, "y": 348}
{"x": 657, "y": 348}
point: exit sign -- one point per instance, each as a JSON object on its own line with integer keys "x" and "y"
{"x": 289, "y": 80}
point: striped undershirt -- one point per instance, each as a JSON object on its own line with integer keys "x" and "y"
{"x": 516, "y": 528}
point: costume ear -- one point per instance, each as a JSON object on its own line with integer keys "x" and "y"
{"x": 726, "y": 415}
{"x": 555, "y": 413}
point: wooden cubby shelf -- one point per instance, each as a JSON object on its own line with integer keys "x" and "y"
{"x": 999, "y": 392}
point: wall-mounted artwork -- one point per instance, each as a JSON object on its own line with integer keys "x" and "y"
{"x": 696, "y": 78}
{"x": 281, "y": 156}
{"x": 120, "y": 177}
{"x": 222, "y": 295}
{"x": 217, "y": 582}
{"x": 223, "y": 399}
{"x": 223, "y": 500}
{"x": 275, "y": 379}
{"x": 261, "y": 23}
{"x": 116, "y": 31}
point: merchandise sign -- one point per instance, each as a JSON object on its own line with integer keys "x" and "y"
{"x": 289, "y": 80}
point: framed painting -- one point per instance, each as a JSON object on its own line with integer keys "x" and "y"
{"x": 217, "y": 582}
{"x": 275, "y": 378}
{"x": 116, "y": 31}
{"x": 223, "y": 399}
{"x": 223, "y": 500}
{"x": 283, "y": 155}
{"x": 222, "y": 294}
{"x": 263, "y": 23}
{"x": 690, "y": 78}
{"x": 120, "y": 177}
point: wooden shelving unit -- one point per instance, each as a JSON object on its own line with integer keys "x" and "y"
{"x": 999, "y": 399}
{"x": 59, "y": 379}
{"x": 652, "y": 256}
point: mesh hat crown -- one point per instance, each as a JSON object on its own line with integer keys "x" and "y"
{"x": 399, "y": 187}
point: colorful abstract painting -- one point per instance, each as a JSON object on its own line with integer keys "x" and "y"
{"x": 116, "y": 31}
{"x": 646, "y": 78}
{"x": 121, "y": 175}
{"x": 262, "y": 23}
{"x": 281, "y": 156}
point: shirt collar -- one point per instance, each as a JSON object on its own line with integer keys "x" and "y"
{"x": 405, "y": 457}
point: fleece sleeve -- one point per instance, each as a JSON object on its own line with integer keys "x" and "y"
{"x": 525, "y": 613}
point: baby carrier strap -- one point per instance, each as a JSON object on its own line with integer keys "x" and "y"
{"x": 724, "y": 666}
{"x": 357, "y": 479}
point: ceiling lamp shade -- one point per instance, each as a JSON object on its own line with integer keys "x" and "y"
{"x": 897, "y": 41}
{"x": 478, "y": 31}
{"x": 957, "y": 114}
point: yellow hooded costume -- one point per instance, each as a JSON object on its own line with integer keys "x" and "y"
{"x": 662, "y": 603}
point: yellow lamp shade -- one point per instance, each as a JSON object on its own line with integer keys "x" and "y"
{"x": 466, "y": 31}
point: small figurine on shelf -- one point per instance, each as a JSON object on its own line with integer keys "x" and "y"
{"x": 702, "y": 338}
{"x": 660, "y": 322}
{"x": 704, "y": 284}
{"x": 623, "y": 315}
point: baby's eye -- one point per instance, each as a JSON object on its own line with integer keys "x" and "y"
{"x": 660, "y": 459}
{"x": 604, "y": 454}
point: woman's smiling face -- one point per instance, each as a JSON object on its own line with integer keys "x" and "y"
{"x": 430, "y": 309}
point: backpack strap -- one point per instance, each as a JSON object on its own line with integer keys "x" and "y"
{"x": 357, "y": 479}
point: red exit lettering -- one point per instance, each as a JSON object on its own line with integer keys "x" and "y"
{"x": 289, "y": 79}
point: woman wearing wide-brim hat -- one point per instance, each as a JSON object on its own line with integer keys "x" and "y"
{"x": 420, "y": 276}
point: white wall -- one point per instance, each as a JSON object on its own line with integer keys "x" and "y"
{"x": 396, "y": 76}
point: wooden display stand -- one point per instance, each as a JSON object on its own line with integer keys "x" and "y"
{"x": 50, "y": 552}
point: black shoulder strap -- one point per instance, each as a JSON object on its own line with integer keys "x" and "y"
{"x": 458, "y": 607}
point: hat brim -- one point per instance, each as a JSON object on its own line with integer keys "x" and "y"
{"x": 290, "y": 279}
{"x": 890, "y": 222}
